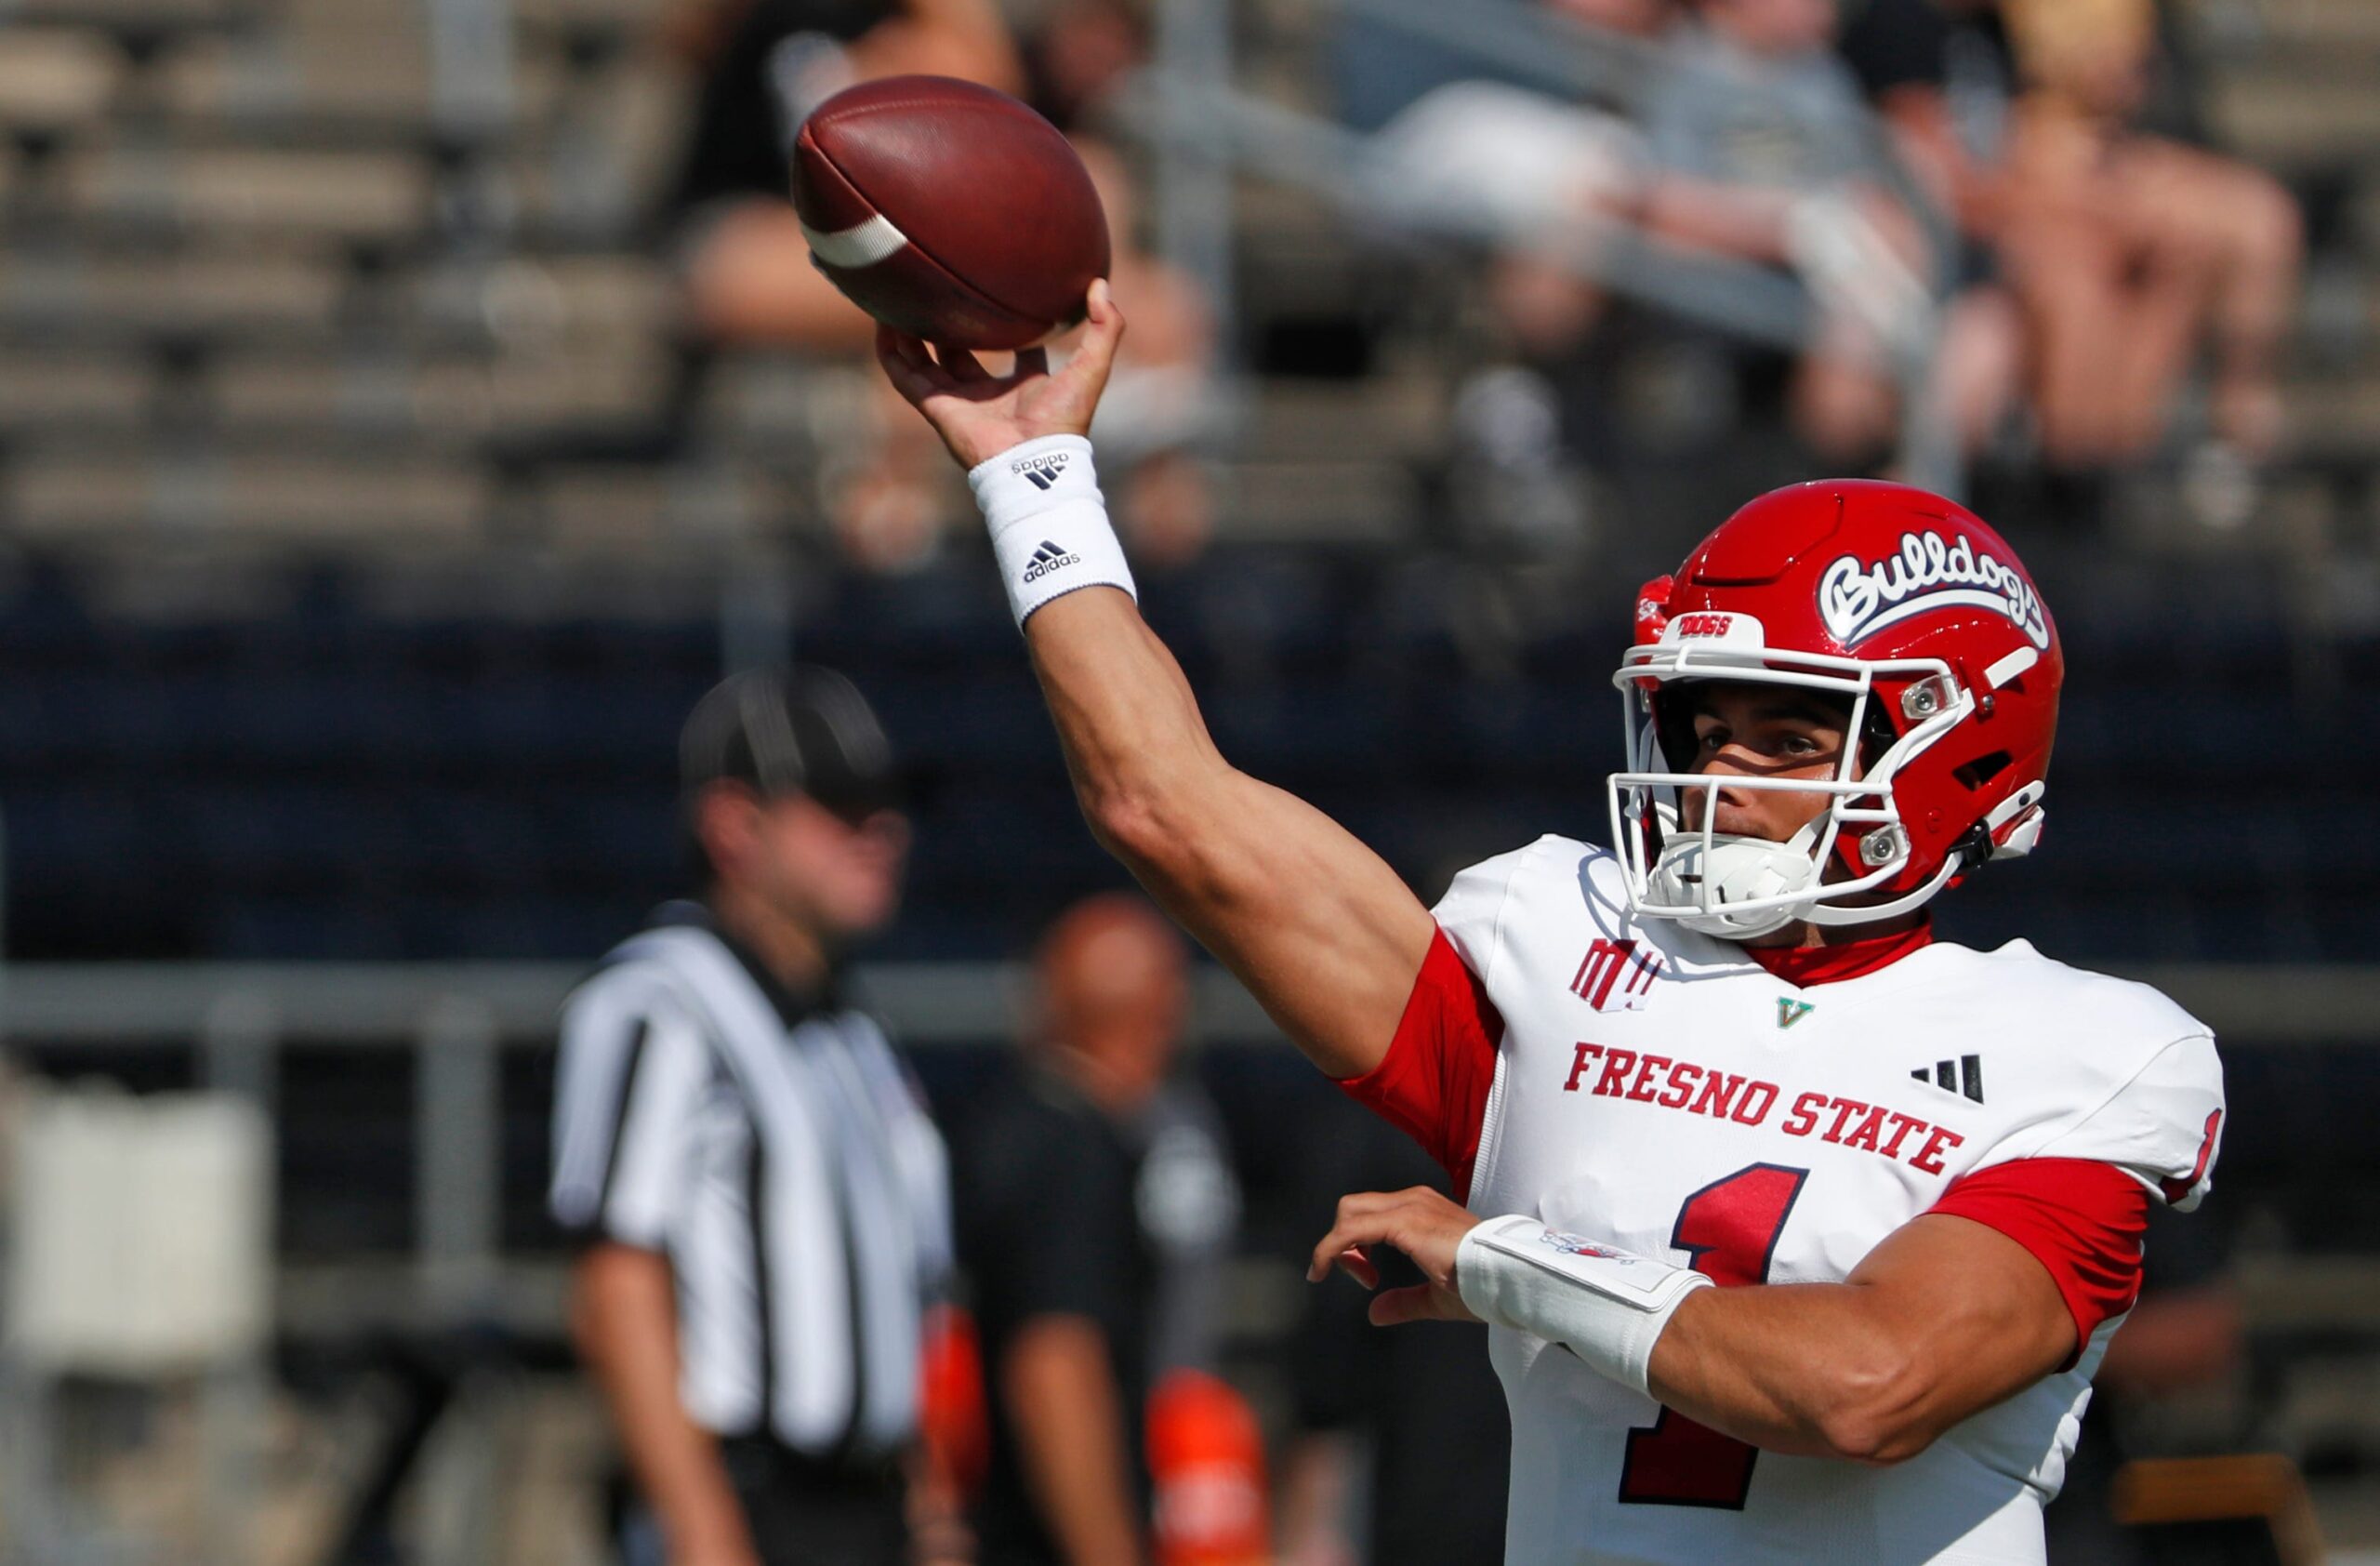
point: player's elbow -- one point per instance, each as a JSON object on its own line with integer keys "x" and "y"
{"x": 1877, "y": 1416}
{"x": 1133, "y": 825}
{"x": 1157, "y": 832}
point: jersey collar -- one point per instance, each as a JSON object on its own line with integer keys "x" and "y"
{"x": 793, "y": 1007}
{"x": 1807, "y": 965}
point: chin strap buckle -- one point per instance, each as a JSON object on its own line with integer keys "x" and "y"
{"x": 1982, "y": 842}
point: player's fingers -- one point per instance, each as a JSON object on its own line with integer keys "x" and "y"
{"x": 1422, "y": 1302}
{"x": 959, "y": 365}
{"x": 1358, "y": 1266}
{"x": 1096, "y": 356}
{"x": 1355, "y": 1223}
{"x": 899, "y": 367}
{"x": 1394, "y": 1307}
{"x": 888, "y": 346}
{"x": 1345, "y": 1235}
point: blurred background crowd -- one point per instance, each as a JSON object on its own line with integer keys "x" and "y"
{"x": 408, "y": 408}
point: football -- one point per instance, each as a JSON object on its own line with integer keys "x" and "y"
{"x": 949, "y": 210}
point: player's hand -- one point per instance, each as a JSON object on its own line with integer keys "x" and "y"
{"x": 979, "y": 415}
{"x": 1425, "y": 1226}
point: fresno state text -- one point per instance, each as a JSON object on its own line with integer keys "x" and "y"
{"x": 1696, "y": 1090}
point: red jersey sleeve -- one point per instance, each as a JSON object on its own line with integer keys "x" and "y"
{"x": 2082, "y": 1219}
{"x": 1432, "y": 1083}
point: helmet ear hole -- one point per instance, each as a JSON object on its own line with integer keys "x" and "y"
{"x": 1877, "y": 735}
{"x": 1982, "y": 770}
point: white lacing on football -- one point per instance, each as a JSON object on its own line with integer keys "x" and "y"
{"x": 862, "y": 244}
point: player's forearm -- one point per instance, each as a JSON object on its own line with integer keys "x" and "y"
{"x": 1134, "y": 742}
{"x": 1070, "y": 1422}
{"x": 1321, "y": 932}
{"x": 623, "y": 1320}
{"x": 1806, "y": 1369}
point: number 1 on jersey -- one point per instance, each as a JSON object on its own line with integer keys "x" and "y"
{"x": 1728, "y": 1230}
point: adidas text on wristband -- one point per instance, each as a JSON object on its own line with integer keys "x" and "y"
{"x": 1048, "y": 521}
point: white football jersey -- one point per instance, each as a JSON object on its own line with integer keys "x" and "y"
{"x": 1658, "y": 1090}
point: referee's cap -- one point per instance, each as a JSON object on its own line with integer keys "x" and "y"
{"x": 800, "y": 730}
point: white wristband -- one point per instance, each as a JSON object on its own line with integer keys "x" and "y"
{"x": 1049, "y": 524}
{"x": 1607, "y": 1306}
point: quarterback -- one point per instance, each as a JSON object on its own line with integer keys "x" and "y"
{"x": 1799, "y": 1233}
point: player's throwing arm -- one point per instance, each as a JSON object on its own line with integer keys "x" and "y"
{"x": 1318, "y": 927}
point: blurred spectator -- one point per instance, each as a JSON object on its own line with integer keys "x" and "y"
{"x": 1076, "y": 52}
{"x": 1541, "y": 177}
{"x": 1767, "y": 152}
{"x": 761, "y": 1197}
{"x": 2124, "y": 250}
{"x": 1940, "y": 74}
{"x": 2129, "y": 250}
{"x": 1095, "y": 1207}
{"x": 1403, "y": 1442}
{"x": 764, "y": 65}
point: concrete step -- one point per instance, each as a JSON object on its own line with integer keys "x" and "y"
{"x": 2288, "y": 119}
{"x": 336, "y": 196}
{"x": 54, "y": 393}
{"x": 1322, "y": 501}
{"x": 2334, "y": 412}
{"x": 445, "y": 400}
{"x": 376, "y": 75}
{"x": 316, "y": 500}
{"x": 2332, "y": 25}
{"x": 134, "y": 297}
{"x": 57, "y": 80}
{"x": 1399, "y": 419}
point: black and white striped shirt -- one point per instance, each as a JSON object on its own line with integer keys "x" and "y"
{"x": 779, "y": 1155}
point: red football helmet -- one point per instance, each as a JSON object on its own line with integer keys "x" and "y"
{"x": 1912, "y": 609}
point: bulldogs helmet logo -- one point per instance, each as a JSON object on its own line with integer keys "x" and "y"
{"x": 1858, "y": 599}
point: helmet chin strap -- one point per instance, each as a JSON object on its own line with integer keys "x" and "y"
{"x": 1752, "y": 869}
{"x": 1737, "y": 870}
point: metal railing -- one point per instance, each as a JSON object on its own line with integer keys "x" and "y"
{"x": 459, "y": 1018}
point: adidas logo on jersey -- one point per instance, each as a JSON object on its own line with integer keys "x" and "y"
{"x": 1042, "y": 471}
{"x": 1047, "y": 558}
{"x": 1962, "y": 1075}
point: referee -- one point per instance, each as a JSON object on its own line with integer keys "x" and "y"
{"x": 761, "y": 1200}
